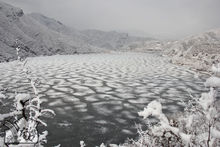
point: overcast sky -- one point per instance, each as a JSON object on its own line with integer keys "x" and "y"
{"x": 171, "y": 19}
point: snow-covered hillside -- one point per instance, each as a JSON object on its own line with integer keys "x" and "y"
{"x": 199, "y": 51}
{"x": 40, "y": 35}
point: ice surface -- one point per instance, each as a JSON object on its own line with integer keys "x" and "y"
{"x": 102, "y": 90}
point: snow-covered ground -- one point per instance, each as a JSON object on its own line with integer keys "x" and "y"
{"x": 96, "y": 97}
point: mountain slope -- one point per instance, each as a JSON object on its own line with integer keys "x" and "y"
{"x": 35, "y": 37}
{"x": 199, "y": 51}
{"x": 57, "y": 26}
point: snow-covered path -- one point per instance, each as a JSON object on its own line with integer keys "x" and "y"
{"x": 97, "y": 96}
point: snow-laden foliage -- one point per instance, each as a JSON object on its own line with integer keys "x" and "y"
{"x": 27, "y": 114}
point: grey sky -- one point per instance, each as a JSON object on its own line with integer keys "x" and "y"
{"x": 161, "y": 18}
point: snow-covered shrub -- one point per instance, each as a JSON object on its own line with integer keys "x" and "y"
{"x": 198, "y": 125}
{"x": 27, "y": 114}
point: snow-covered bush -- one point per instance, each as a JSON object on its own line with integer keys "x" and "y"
{"x": 26, "y": 114}
{"x": 198, "y": 125}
